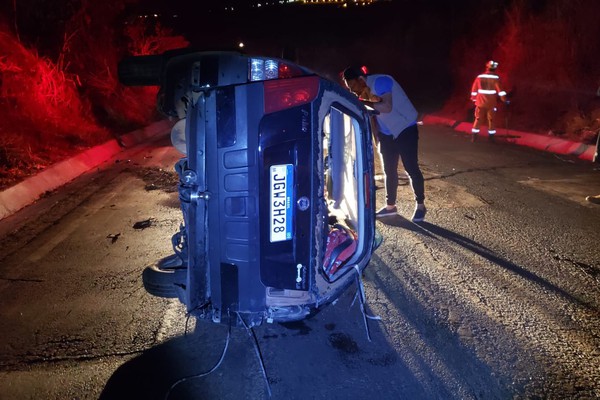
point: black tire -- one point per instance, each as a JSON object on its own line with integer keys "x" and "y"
{"x": 164, "y": 282}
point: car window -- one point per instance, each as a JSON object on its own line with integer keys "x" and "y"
{"x": 341, "y": 163}
{"x": 344, "y": 167}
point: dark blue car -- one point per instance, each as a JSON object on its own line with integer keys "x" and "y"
{"x": 276, "y": 185}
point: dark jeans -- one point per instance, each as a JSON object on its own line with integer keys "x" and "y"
{"x": 406, "y": 148}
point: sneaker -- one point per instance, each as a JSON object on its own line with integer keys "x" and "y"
{"x": 419, "y": 215}
{"x": 384, "y": 212}
{"x": 593, "y": 199}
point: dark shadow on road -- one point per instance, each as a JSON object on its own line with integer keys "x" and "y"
{"x": 401, "y": 222}
{"x": 152, "y": 374}
{"x": 328, "y": 354}
{"x": 488, "y": 254}
{"x": 441, "y": 358}
{"x": 332, "y": 358}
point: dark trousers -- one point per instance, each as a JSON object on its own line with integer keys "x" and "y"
{"x": 406, "y": 148}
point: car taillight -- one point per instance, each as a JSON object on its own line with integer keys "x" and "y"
{"x": 285, "y": 93}
{"x": 263, "y": 69}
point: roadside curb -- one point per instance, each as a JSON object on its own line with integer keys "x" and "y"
{"x": 533, "y": 140}
{"x": 31, "y": 189}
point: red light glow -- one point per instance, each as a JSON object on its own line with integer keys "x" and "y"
{"x": 281, "y": 94}
{"x": 288, "y": 71}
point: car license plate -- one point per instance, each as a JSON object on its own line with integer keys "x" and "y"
{"x": 282, "y": 212}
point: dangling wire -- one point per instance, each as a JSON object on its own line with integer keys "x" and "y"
{"x": 187, "y": 320}
{"x": 207, "y": 372}
{"x": 360, "y": 293}
{"x": 251, "y": 333}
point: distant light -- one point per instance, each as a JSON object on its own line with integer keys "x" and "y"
{"x": 241, "y": 45}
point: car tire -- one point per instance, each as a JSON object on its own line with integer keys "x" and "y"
{"x": 164, "y": 282}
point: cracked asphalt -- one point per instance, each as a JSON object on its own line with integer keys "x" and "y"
{"x": 495, "y": 296}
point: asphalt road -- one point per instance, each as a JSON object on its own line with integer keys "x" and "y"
{"x": 496, "y": 296}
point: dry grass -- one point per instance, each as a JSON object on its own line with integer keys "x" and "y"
{"x": 53, "y": 109}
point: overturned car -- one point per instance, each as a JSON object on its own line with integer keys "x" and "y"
{"x": 276, "y": 185}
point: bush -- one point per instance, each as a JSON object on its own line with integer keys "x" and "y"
{"x": 51, "y": 109}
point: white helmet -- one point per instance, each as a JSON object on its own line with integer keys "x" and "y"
{"x": 491, "y": 64}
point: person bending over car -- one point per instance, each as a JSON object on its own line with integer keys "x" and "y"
{"x": 397, "y": 131}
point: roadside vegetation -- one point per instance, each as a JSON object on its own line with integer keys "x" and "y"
{"x": 59, "y": 93}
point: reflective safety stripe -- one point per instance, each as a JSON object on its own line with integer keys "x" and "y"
{"x": 484, "y": 91}
{"x": 492, "y": 132}
{"x": 502, "y": 93}
{"x": 488, "y": 76}
{"x": 473, "y": 93}
{"x": 475, "y": 130}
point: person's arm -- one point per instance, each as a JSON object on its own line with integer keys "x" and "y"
{"x": 383, "y": 87}
{"x": 501, "y": 92}
{"x": 384, "y": 105}
{"x": 474, "y": 89}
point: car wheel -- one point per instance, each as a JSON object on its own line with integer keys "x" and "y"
{"x": 164, "y": 282}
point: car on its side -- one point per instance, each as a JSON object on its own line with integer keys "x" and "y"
{"x": 276, "y": 185}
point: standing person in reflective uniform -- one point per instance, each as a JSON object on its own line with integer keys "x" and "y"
{"x": 485, "y": 92}
{"x": 397, "y": 132}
